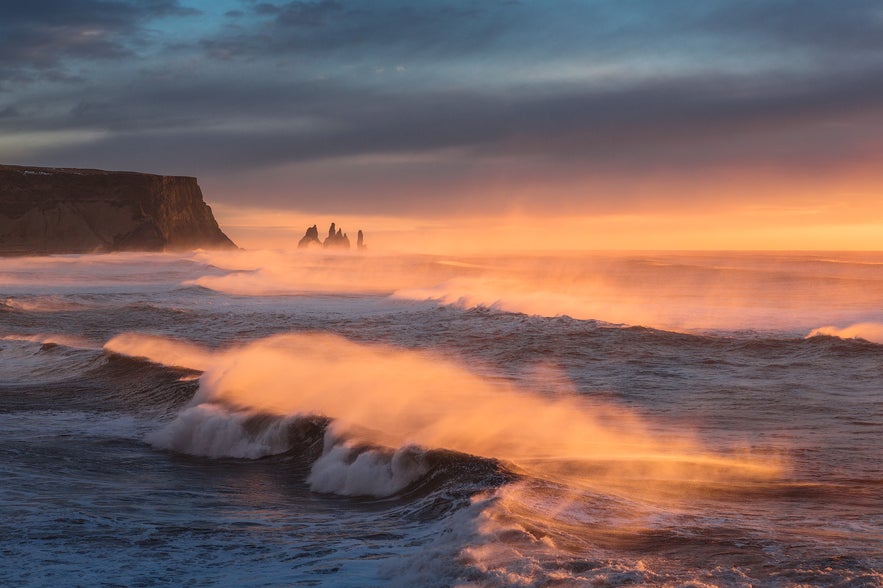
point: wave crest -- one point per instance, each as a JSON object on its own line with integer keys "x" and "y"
{"x": 872, "y": 332}
{"x": 350, "y": 470}
{"x": 161, "y": 350}
{"x": 391, "y": 400}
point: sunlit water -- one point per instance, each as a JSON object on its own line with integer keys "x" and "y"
{"x": 299, "y": 418}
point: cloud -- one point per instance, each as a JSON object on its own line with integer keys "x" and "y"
{"x": 651, "y": 123}
{"x": 384, "y": 27}
{"x": 855, "y": 28}
{"x": 462, "y": 90}
{"x": 753, "y": 32}
{"x": 10, "y": 112}
{"x": 307, "y": 14}
{"x": 41, "y": 34}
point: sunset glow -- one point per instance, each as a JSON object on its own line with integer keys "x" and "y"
{"x": 441, "y": 293}
{"x": 557, "y": 130}
{"x": 826, "y": 228}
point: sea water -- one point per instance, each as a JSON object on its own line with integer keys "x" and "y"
{"x": 303, "y": 418}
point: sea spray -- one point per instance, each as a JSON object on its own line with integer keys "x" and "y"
{"x": 674, "y": 291}
{"x": 82, "y": 481}
{"x": 394, "y": 398}
{"x": 162, "y": 350}
{"x": 872, "y": 332}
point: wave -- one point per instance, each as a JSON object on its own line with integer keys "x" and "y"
{"x": 209, "y": 430}
{"x": 43, "y": 304}
{"x": 382, "y": 397}
{"x": 343, "y": 469}
{"x": 53, "y": 339}
{"x": 161, "y": 350}
{"x": 43, "y": 358}
{"x": 338, "y": 465}
{"x": 872, "y": 332}
{"x": 559, "y": 475}
{"x": 677, "y": 292}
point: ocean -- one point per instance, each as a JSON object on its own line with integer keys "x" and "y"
{"x": 299, "y": 418}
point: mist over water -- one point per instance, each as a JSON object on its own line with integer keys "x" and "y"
{"x": 305, "y": 418}
{"x": 673, "y": 291}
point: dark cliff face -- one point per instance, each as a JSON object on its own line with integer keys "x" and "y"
{"x": 54, "y": 210}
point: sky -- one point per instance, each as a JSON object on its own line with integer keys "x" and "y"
{"x": 596, "y": 124}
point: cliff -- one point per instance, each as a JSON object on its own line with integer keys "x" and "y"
{"x": 61, "y": 210}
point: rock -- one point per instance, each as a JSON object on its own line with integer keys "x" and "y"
{"x": 310, "y": 238}
{"x": 336, "y": 240}
{"x": 63, "y": 210}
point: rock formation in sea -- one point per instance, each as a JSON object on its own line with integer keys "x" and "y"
{"x": 336, "y": 239}
{"x": 64, "y": 210}
{"x": 310, "y": 238}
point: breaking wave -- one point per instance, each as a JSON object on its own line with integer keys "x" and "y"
{"x": 872, "y": 332}
{"x": 398, "y": 403}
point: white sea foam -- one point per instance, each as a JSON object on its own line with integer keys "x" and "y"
{"x": 349, "y": 471}
{"x": 345, "y": 468}
{"x": 209, "y": 430}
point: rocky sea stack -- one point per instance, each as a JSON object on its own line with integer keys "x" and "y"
{"x": 63, "y": 210}
{"x": 336, "y": 239}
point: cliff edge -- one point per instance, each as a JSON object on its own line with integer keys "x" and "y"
{"x": 63, "y": 210}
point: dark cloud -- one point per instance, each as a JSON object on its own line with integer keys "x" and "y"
{"x": 307, "y": 14}
{"x": 854, "y": 26}
{"x": 497, "y": 30}
{"x": 265, "y": 8}
{"x": 41, "y": 34}
{"x": 381, "y": 28}
{"x": 648, "y": 124}
{"x": 789, "y": 84}
{"x": 9, "y": 112}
